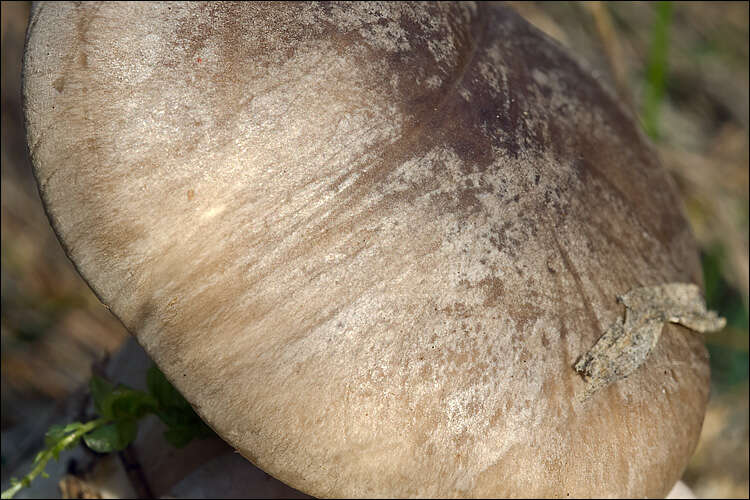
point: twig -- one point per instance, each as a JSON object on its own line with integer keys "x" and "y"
{"x": 135, "y": 473}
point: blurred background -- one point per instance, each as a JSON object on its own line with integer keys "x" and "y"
{"x": 681, "y": 67}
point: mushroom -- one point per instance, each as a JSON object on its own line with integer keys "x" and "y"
{"x": 369, "y": 242}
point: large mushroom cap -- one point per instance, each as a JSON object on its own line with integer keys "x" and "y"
{"x": 368, "y": 242}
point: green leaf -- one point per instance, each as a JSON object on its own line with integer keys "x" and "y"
{"x": 112, "y": 437}
{"x": 120, "y": 408}
{"x": 129, "y": 403}
{"x": 183, "y": 423}
{"x": 180, "y": 435}
{"x": 177, "y": 417}
{"x": 121, "y": 401}
{"x": 163, "y": 391}
{"x": 55, "y": 439}
{"x": 101, "y": 392}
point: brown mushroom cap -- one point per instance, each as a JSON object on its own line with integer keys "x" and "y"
{"x": 368, "y": 242}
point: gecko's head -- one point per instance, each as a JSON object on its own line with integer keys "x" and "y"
{"x": 368, "y": 242}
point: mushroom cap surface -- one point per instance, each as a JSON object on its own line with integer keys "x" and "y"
{"x": 368, "y": 242}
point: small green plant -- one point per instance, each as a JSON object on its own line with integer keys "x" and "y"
{"x": 657, "y": 68}
{"x": 119, "y": 409}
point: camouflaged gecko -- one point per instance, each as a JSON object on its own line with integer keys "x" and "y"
{"x": 626, "y": 345}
